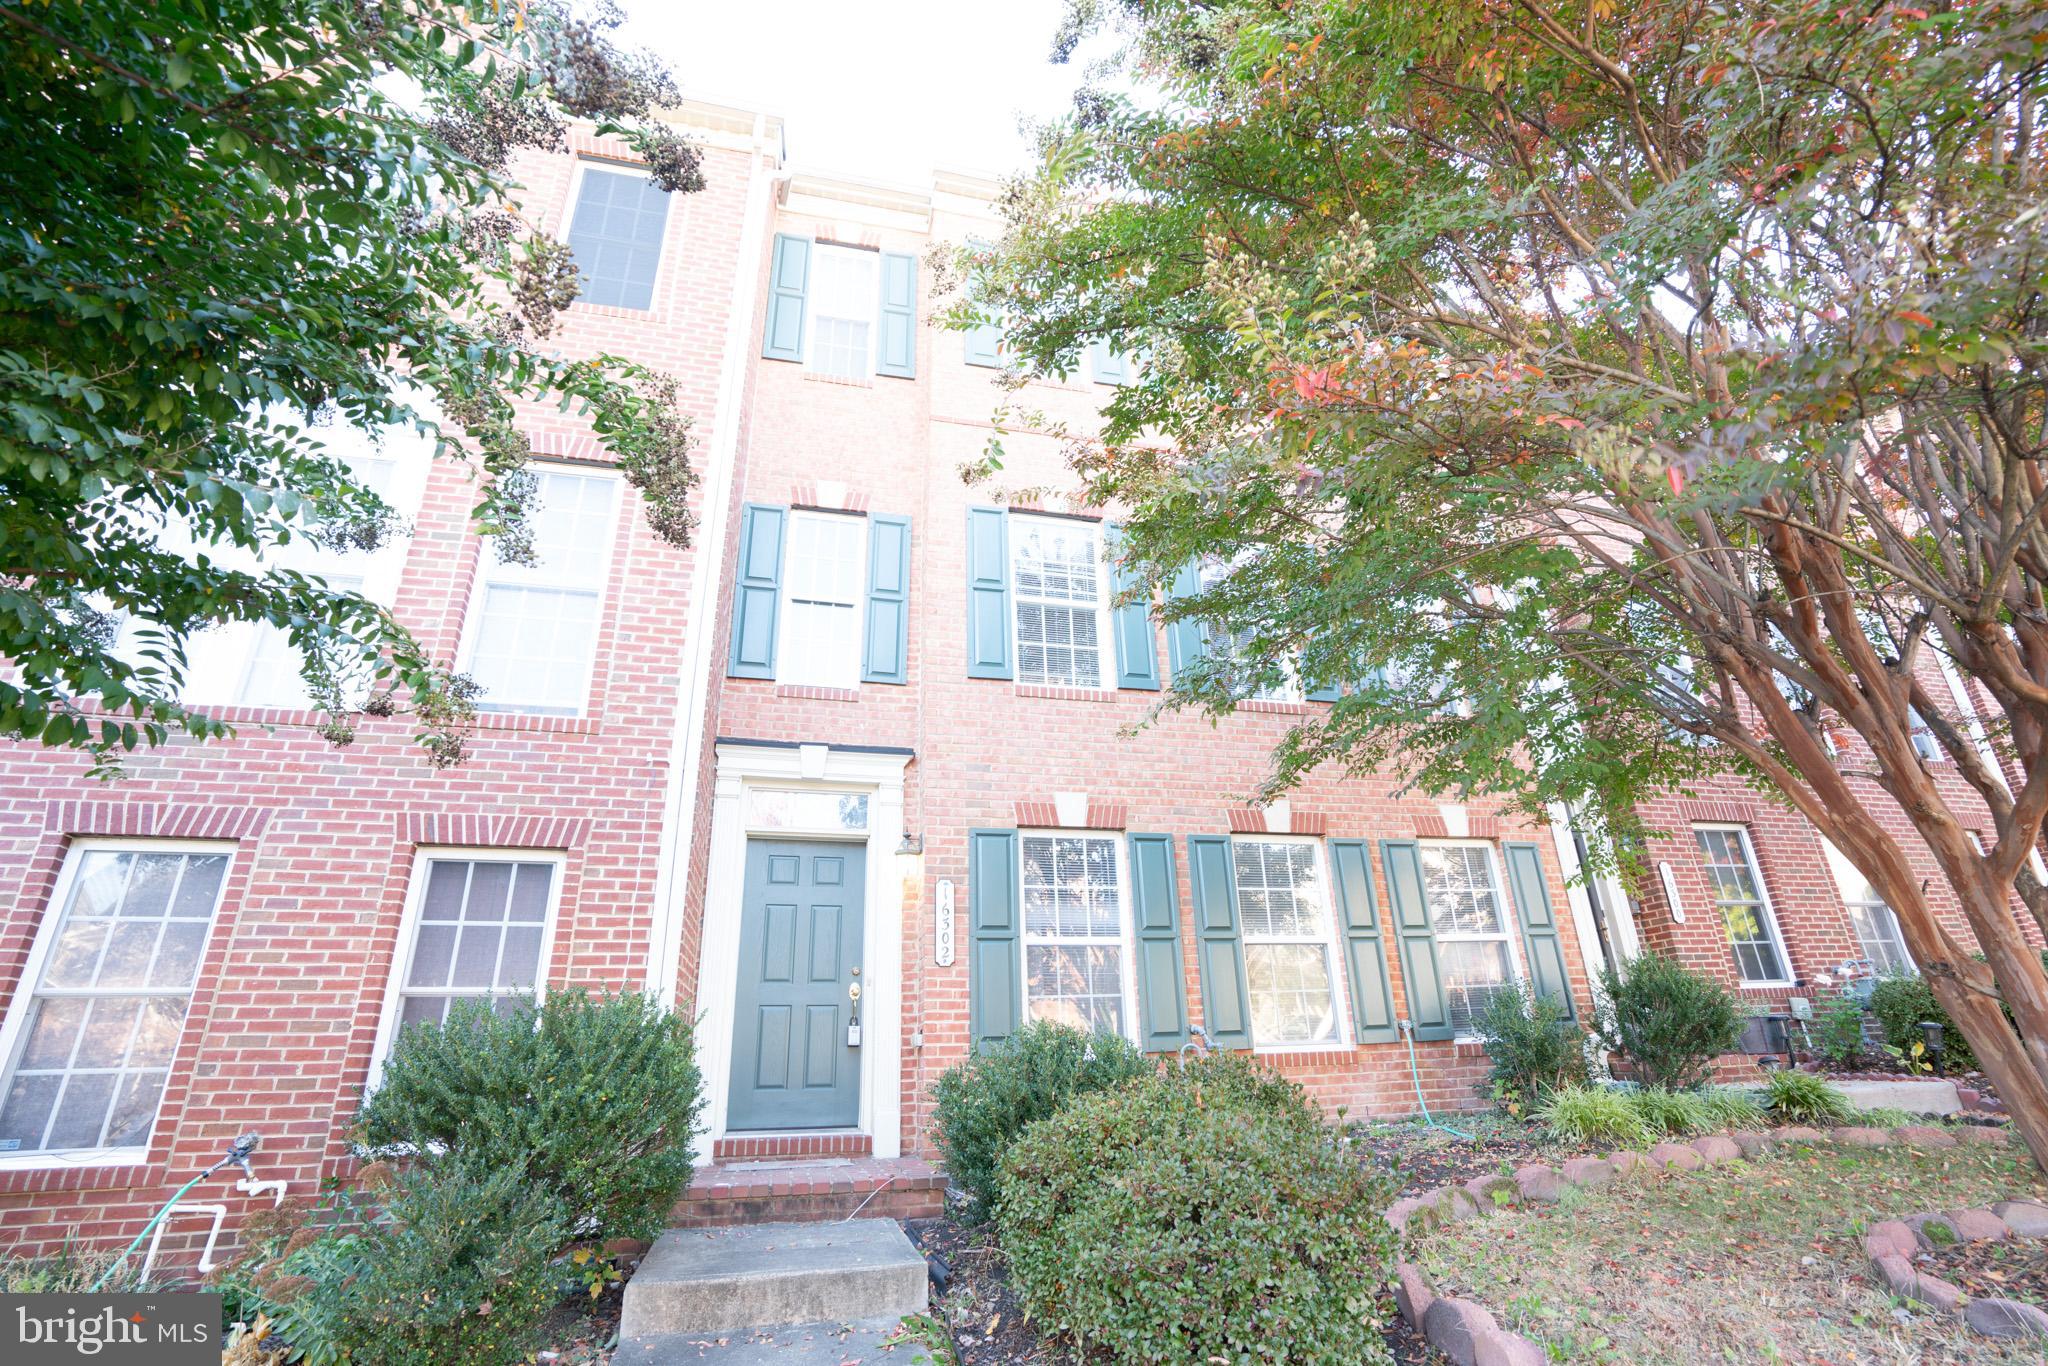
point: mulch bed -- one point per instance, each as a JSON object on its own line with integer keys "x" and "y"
{"x": 582, "y": 1330}
{"x": 2016, "y": 1270}
{"x": 1430, "y": 1160}
{"x": 979, "y": 1306}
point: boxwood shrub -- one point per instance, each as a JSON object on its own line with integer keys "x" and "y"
{"x": 592, "y": 1099}
{"x": 1204, "y": 1214}
{"x": 982, "y": 1104}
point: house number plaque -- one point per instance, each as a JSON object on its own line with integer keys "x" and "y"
{"x": 942, "y": 937}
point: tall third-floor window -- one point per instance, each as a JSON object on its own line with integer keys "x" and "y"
{"x": 615, "y": 233}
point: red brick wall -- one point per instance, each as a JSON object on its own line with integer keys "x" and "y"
{"x": 286, "y": 1010}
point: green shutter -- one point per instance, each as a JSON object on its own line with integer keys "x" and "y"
{"x": 1162, "y": 983}
{"x": 757, "y": 591}
{"x": 1419, "y": 972}
{"x": 1539, "y": 926}
{"x": 896, "y": 351}
{"x": 984, "y": 344}
{"x": 1106, "y": 366}
{"x": 783, "y": 337}
{"x": 886, "y": 657}
{"x": 1137, "y": 653}
{"x": 1219, "y": 952}
{"x": 988, "y": 593}
{"x": 995, "y": 950}
{"x": 1365, "y": 951}
{"x": 1187, "y": 639}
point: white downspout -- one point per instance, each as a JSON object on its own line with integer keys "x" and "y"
{"x": 707, "y": 580}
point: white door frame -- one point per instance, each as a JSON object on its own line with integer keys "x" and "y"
{"x": 742, "y": 767}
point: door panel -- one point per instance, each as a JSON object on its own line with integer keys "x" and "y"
{"x": 801, "y": 922}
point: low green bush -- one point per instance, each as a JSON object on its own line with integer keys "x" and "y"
{"x": 593, "y": 1099}
{"x": 447, "y": 1265}
{"x": 1204, "y": 1214}
{"x": 1901, "y": 1003}
{"x": 982, "y": 1104}
{"x": 1533, "y": 1044}
{"x": 1671, "y": 1022}
{"x": 1838, "y": 1031}
{"x": 1593, "y": 1114}
{"x": 1803, "y": 1098}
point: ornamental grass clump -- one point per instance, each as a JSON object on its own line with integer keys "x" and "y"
{"x": 1204, "y": 1214}
{"x": 1803, "y": 1098}
{"x": 1593, "y": 1114}
{"x": 591, "y": 1099}
{"x": 983, "y": 1103}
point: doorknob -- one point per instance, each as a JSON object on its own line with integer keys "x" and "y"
{"x": 853, "y": 991}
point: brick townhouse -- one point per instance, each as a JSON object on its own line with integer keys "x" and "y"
{"x": 854, "y": 779}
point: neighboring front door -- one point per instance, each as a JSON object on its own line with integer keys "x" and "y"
{"x": 795, "y": 1063}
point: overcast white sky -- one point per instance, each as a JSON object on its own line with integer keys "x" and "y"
{"x": 886, "y": 91}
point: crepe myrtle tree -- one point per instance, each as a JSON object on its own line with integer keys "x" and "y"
{"x": 1604, "y": 395}
{"x": 225, "y": 224}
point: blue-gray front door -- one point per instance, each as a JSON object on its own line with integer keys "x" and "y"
{"x": 794, "y": 1064}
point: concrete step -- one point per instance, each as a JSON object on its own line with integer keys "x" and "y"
{"x": 870, "y": 1342}
{"x": 1915, "y": 1095}
{"x": 717, "y": 1280}
{"x": 810, "y": 1190}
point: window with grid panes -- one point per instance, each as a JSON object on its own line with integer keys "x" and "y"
{"x": 1284, "y": 919}
{"x": 481, "y": 924}
{"x": 109, "y": 1001}
{"x": 824, "y": 571}
{"x": 1475, "y": 956}
{"x": 615, "y": 236}
{"x": 1058, "y": 577}
{"x": 1739, "y": 897}
{"x": 1076, "y": 970}
{"x": 845, "y": 296}
{"x": 536, "y": 632}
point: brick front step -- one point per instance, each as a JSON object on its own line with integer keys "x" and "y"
{"x": 790, "y": 1147}
{"x": 810, "y": 1191}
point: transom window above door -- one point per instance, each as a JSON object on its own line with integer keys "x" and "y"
{"x": 1476, "y": 956}
{"x": 1062, "y": 601}
{"x": 1077, "y": 957}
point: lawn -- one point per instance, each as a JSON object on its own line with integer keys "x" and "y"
{"x": 1751, "y": 1262}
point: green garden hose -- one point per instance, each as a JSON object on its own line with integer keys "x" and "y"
{"x": 1408, "y": 1033}
{"x": 154, "y": 1220}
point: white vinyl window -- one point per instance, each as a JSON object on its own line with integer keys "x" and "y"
{"x": 1739, "y": 896}
{"x": 1062, "y": 601}
{"x": 534, "y": 634}
{"x": 1077, "y": 951}
{"x": 615, "y": 233}
{"x": 1474, "y": 929}
{"x": 254, "y": 664}
{"x": 1283, "y": 908}
{"x": 1239, "y": 648}
{"x": 89, "y": 1048}
{"x": 479, "y": 926}
{"x": 845, "y": 299}
{"x": 824, "y": 572}
{"x": 1878, "y": 936}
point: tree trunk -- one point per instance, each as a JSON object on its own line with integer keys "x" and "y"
{"x": 2003, "y": 1057}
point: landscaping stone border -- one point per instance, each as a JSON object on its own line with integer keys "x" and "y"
{"x": 1469, "y": 1335}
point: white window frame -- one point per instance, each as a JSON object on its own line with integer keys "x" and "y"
{"x": 1105, "y": 644}
{"x": 1858, "y": 895}
{"x": 521, "y": 576}
{"x": 584, "y": 164}
{"x": 1510, "y": 919}
{"x": 819, "y": 250}
{"x": 1127, "y": 938}
{"x": 1764, "y": 905}
{"x": 409, "y": 930}
{"x": 1332, "y": 945}
{"x": 14, "y": 1024}
{"x": 786, "y": 649}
